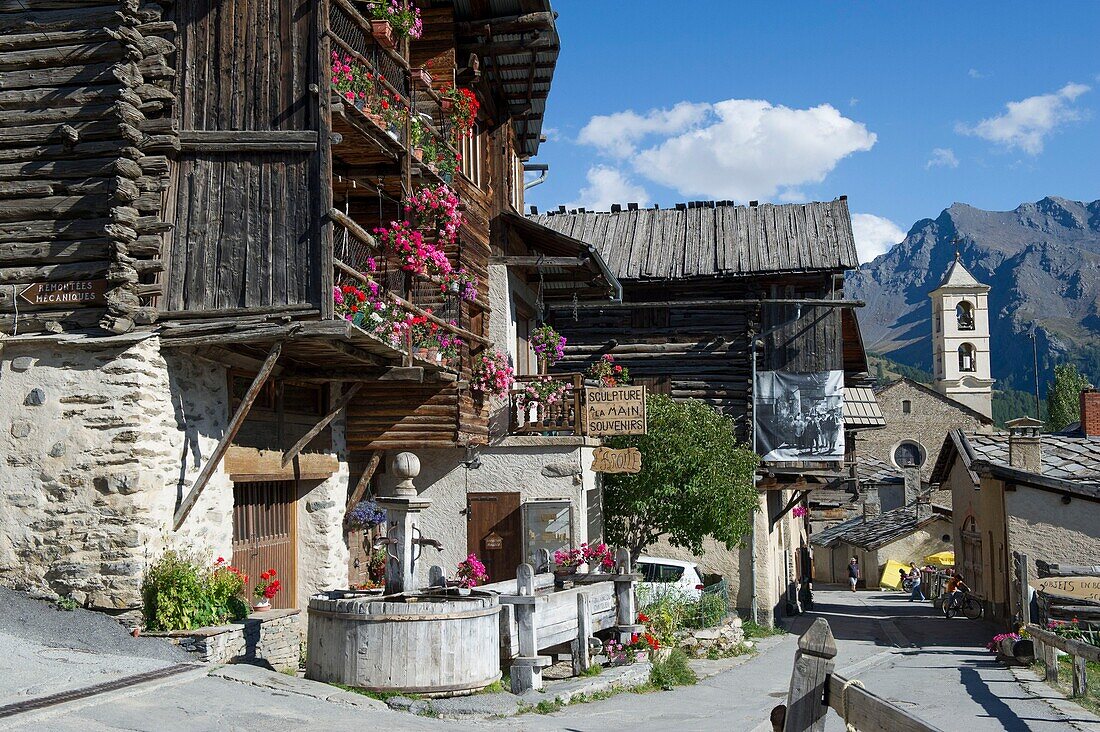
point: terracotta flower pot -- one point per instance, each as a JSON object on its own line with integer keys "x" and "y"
{"x": 418, "y": 153}
{"x": 447, "y": 105}
{"x": 262, "y": 606}
{"x": 383, "y": 33}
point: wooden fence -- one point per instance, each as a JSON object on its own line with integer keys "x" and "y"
{"x": 1048, "y": 644}
{"x": 815, "y": 689}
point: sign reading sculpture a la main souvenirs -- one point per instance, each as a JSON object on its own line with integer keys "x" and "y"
{"x": 608, "y": 460}
{"x": 1079, "y": 588}
{"x": 88, "y": 292}
{"x": 615, "y": 410}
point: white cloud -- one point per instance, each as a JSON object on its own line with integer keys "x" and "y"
{"x": 749, "y": 149}
{"x": 553, "y": 134}
{"x": 1026, "y": 123}
{"x": 853, "y": 101}
{"x": 792, "y": 195}
{"x": 942, "y": 157}
{"x": 874, "y": 235}
{"x": 618, "y": 134}
{"x": 975, "y": 74}
{"x": 607, "y": 185}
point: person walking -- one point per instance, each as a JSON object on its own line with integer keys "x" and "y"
{"x": 853, "y": 573}
{"x": 916, "y": 593}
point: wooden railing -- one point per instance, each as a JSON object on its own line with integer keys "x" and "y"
{"x": 1048, "y": 644}
{"x": 564, "y": 417}
{"x": 415, "y": 295}
{"x": 815, "y": 689}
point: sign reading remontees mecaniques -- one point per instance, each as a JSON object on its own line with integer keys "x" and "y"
{"x": 615, "y": 410}
{"x": 61, "y": 293}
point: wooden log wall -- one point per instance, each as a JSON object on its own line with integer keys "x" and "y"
{"x": 249, "y": 183}
{"x": 85, "y": 139}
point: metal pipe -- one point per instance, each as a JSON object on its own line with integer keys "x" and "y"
{"x": 541, "y": 168}
{"x": 754, "y": 603}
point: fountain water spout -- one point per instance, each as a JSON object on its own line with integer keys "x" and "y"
{"x": 404, "y": 544}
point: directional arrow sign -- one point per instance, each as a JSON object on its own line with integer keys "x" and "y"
{"x": 85, "y": 292}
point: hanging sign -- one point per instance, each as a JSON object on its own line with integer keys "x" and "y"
{"x": 88, "y": 292}
{"x": 615, "y": 410}
{"x": 607, "y": 460}
{"x": 1078, "y": 588}
{"x": 493, "y": 541}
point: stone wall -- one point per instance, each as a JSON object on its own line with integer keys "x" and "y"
{"x": 99, "y": 442}
{"x": 91, "y": 444}
{"x": 271, "y": 639}
{"x": 929, "y": 421}
{"x": 1043, "y": 527}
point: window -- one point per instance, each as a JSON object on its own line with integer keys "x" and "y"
{"x": 653, "y": 572}
{"x": 547, "y": 526}
{"x": 906, "y": 406}
{"x": 968, "y": 361}
{"x": 517, "y": 183}
{"x": 470, "y": 149}
{"x": 908, "y": 453}
{"x": 964, "y": 312}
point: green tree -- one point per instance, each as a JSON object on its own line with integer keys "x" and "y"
{"x": 695, "y": 481}
{"x": 1064, "y": 396}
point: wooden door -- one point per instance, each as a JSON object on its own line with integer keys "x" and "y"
{"x": 494, "y": 532}
{"x": 264, "y": 535}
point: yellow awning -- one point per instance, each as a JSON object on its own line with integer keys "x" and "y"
{"x": 942, "y": 559}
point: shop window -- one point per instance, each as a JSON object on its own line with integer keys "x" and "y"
{"x": 547, "y": 526}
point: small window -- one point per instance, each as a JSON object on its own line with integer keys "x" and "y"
{"x": 909, "y": 454}
{"x": 964, "y": 312}
{"x": 470, "y": 149}
{"x": 906, "y": 406}
{"x": 968, "y": 361}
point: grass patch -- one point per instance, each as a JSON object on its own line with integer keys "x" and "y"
{"x": 593, "y": 670}
{"x": 494, "y": 688}
{"x": 1091, "y": 701}
{"x": 548, "y": 706}
{"x": 673, "y": 671}
{"x": 379, "y": 695}
{"x": 66, "y": 603}
{"x": 755, "y": 630}
{"x": 714, "y": 654}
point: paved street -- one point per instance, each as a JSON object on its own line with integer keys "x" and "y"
{"x": 935, "y": 667}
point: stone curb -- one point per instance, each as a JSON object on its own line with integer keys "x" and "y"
{"x": 1075, "y": 715}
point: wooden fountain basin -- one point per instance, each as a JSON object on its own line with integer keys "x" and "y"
{"x": 434, "y": 643}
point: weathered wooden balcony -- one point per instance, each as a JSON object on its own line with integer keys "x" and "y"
{"x": 563, "y": 417}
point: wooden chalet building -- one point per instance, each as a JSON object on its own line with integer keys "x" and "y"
{"x": 185, "y": 191}
{"x": 715, "y": 297}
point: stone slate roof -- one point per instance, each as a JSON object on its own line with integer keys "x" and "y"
{"x": 886, "y": 528}
{"x": 870, "y": 469}
{"x": 715, "y": 239}
{"x": 1065, "y": 457}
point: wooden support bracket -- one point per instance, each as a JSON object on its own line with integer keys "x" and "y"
{"x": 316, "y": 429}
{"x": 215, "y": 458}
{"x": 364, "y": 481}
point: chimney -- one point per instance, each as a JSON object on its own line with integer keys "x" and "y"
{"x": 1025, "y": 450}
{"x": 914, "y": 493}
{"x": 872, "y": 505}
{"x": 1090, "y": 412}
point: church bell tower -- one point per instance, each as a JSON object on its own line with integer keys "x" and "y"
{"x": 960, "y": 339}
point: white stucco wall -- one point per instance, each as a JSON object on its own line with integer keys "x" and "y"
{"x": 534, "y": 467}
{"x": 1043, "y": 527}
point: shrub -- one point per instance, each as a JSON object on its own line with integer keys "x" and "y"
{"x": 179, "y": 593}
{"x": 673, "y": 671}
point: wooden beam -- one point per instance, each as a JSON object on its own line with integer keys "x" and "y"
{"x": 798, "y": 496}
{"x": 364, "y": 481}
{"x": 540, "y": 261}
{"x": 738, "y": 302}
{"x": 215, "y": 458}
{"x": 316, "y": 429}
{"x": 507, "y": 24}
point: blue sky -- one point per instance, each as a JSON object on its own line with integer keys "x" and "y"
{"x": 905, "y": 107}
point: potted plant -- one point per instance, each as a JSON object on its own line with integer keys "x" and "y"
{"x": 607, "y": 372}
{"x": 471, "y": 573}
{"x": 549, "y": 345}
{"x": 366, "y": 515}
{"x": 421, "y": 77}
{"x": 400, "y": 17}
{"x": 493, "y": 376}
{"x": 462, "y": 105}
{"x": 566, "y": 562}
{"x": 265, "y": 590}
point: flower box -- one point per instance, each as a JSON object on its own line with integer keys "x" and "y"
{"x": 421, "y": 77}
{"x": 418, "y": 153}
{"x": 383, "y": 33}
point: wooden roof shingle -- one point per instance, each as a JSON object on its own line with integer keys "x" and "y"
{"x": 709, "y": 239}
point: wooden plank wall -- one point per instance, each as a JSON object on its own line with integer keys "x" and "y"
{"x": 247, "y": 211}
{"x": 85, "y": 129}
